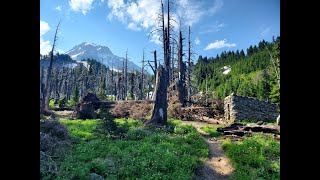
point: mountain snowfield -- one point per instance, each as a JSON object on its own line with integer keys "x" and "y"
{"x": 100, "y": 53}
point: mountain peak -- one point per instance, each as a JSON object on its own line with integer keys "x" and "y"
{"x": 87, "y": 44}
{"x": 89, "y": 50}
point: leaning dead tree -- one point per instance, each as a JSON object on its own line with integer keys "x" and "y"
{"x": 44, "y": 105}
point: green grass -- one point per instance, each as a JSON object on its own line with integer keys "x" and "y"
{"x": 82, "y": 129}
{"x": 131, "y": 123}
{"x": 212, "y": 130}
{"x": 142, "y": 154}
{"x": 256, "y": 157}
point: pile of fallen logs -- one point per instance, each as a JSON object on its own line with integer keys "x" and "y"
{"x": 241, "y": 129}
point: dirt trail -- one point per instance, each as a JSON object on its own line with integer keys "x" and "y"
{"x": 217, "y": 166}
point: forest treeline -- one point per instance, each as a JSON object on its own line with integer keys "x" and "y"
{"x": 254, "y": 74}
{"x": 70, "y": 82}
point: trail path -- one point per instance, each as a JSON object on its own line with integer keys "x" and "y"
{"x": 217, "y": 166}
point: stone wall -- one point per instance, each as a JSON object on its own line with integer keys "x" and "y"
{"x": 238, "y": 108}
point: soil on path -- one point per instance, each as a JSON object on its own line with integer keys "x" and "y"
{"x": 217, "y": 166}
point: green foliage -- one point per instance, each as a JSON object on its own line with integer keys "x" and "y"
{"x": 82, "y": 129}
{"x": 51, "y": 104}
{"x": 183, "y": 129}
{"x": 142, "y": 155}
{"x": 212, "y": 130}
{"x": 74, "y": 98}
{"x": 275, "y": 94}
{"x": 176, "y": 126}
{"x": 251, "y": 75}
{"x": 257, "y": 157}
{"x": 129, "y": 122}
{"x": 115, "y": 128}
{"x": 62, "y": 102}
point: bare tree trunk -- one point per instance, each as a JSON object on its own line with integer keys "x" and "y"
{"x": 155, "y": 62}
{"x": 181, "y": 82}
{"x": 141, "y": 85}
{"x": 125, "y": 76}
{"x": 45, "y": 104}
{"x": 42, "y": 86}
{"x": 132, "y": 86}
{"x": 172, "y": 63}
{"x": 189, "y": 68}
{"x": 159, "y": 113}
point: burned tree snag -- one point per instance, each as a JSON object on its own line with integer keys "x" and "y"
{"x": 159, "y": 113}
{"x": 189, "y": 68}
{"x": 45, "y": 104}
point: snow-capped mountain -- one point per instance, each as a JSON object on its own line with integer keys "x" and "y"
{"x": 100, "y": 53}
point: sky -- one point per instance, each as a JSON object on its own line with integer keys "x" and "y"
{"x": 216, "y": 25}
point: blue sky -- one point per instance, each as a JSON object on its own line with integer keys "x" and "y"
{"x": 216, "y": 25}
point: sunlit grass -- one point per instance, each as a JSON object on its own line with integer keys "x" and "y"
{"x": 212, "y": 131}
{"x": 142, "y": 154}
{"x": 256, "y": 157}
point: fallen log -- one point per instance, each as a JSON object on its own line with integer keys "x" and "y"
{"x": 262, "y": 128}
{"x": 234, "y": 126}
{"x": 240, "y": 129}
{"x": 235, "y": 132}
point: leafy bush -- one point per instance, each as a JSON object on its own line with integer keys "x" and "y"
{"x": 183, "y": 129}
{"x": 62, "y": 102}
{"x": 212, "y": 130}
{"x": 108, "y": 126}
{"x": 51, "y": 104}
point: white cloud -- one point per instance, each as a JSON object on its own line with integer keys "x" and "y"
{"x": 139, "y": 14}
{"x": 81, "y": 5}
{"x": 265, "y": 31}
{"x": 45, "y": 46}
{"x": 197, "y": 41}
{"x": 143, "y": 14}
{"x": 213, "y": 28}
{"x": 216, "y": 7}
{"x": 191, "y": 11}
{"x": 44, "y": 27}
{"x": 155, "y": 37}
{"x": 58, "y": 8}
{"x": 134, "y": 27}
{"x": 219, "y": 44}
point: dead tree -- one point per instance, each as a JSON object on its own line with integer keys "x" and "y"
{"x": 141, "y": 82}
{"x": 159, "y": 113}
{"x": 45, "y": 104}
{"x": 189, "y": 68}
{"x": 172, "y": 63}
{"x": 182, "y": 68}
{"x": 154, "y": 68}
{"x": 132, "y": 86}
{"x": 125, "y": 76}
